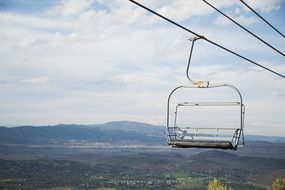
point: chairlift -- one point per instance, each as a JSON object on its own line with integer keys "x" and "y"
{"x": 204, "y": 137}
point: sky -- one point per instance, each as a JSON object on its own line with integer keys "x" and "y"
{"x": 95, "y": 61}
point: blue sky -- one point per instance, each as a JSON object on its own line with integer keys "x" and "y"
{"x": 94, "y": 61}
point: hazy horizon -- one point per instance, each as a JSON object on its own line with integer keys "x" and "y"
{"x": 94, "y": 124}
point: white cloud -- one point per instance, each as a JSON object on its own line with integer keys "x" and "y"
{"x": 181, "y": 10}
{"x": 221, "y": 20}
{"x": 69, "y": 8}
{"x": 264, "y": 5}
{"x": 244, "y": 21}
{"x": 12, "y": 20}
{"x": 36, "y": 80}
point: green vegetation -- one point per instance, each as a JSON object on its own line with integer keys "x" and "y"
{"x": 121, "y": 171}
{"x": 217, "y": 185}
{"x": 278, "y": 184}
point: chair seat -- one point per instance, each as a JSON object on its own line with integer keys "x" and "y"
{"x": 202, "y": 144}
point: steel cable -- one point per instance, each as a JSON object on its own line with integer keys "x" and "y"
{"x": 266, "y": 43}
{"x": 278, "y": 31}
{"x": 212, "y": 42}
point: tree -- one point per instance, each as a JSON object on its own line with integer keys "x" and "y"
{"x": 278, "y": 184}
{"x": 217, "y": 185}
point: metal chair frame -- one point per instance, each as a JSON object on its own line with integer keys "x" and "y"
{"x": 176, "y": 135}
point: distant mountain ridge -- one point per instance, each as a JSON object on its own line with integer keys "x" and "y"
{"x": 116, "y": 132}
{"x": 275, "y": 139}
{"x": 123, "y": 132}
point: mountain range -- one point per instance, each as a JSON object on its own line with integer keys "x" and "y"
{"x": 116, "y": 132}
{"x": 123, "y": 132}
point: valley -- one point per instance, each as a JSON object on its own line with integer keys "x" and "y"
{"x": 67, "y": 158}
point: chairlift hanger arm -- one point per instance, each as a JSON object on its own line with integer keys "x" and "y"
{"x": 210, "y": 41}
{"x": 200, "y": 84}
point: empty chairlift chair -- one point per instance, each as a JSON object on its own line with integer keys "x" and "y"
{"x": 204, "y": 137}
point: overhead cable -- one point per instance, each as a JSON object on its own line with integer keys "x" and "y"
{"x": 278, "y": 31}
{"x": 212, "y": 42}
{"x": 266, "y": 43}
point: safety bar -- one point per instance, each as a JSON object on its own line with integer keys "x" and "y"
{"x": 208, "y": 104}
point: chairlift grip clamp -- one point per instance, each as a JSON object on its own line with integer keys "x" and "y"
{"x": 202, "y": 84}
{"x": 194, "y": 38}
